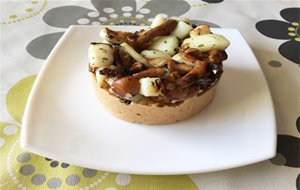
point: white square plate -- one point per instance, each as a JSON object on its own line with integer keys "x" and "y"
{"x": 64, "y": 121}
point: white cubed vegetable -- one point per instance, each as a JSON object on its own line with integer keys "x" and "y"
{"x": 182, "y": 30}
{"x": 152, "y": 54}
{"x": 110, "y": 80}
{"x": 100, "y": 78}
{"x": 158, "y": 62}
{"x": 183, "y": 58}
{"x": 206, "y": 42}
{"x": 166, "y": 44}
{"x": 200, "y": 30}
{"x": 184, "y": 19}
{"x": 158, "y": 20}
{"x": 148, "y": 87}
{"x": 100, "y": 55}
{"x": 156, "y": 58}
{"x": 103, "y": 33}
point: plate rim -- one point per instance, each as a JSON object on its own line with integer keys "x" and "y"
{"x": 39, "y": 80}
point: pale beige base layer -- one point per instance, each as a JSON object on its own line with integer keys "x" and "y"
{"x": 151, "y": 114}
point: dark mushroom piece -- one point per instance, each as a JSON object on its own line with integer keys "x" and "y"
{"x": 212, "y": 56}
{"x": 194, "y": 75}
{"x": 126, "y": 86}
{"x": 136, "y": 67}
{"x": 216, "y": 56}
{"x": 116, "y": 37}
{"x": 181, "y": 68}
{"x": 140, "y": 43}
{"x": 150, "y": 72}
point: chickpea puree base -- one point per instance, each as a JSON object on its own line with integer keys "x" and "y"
{"x": 152, "y": 114}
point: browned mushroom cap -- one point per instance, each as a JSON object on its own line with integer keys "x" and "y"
{"x": 193, "y": 91}
{"x": 136, "y": 67}
{"x": 151, "y": 72}
{"x": 171, "y": 92}
{"x": 194, "y": 75}
{"x": 141, "y": 42}
{"x": 181, "y": 68}
{"x": 126, "y": 85}
{"x": 116, "y": 54}
{"x": 117, "y": 72}
{"x": 216, "y": 56}
{"x": 196, "y": 52}
{"x": 212, "y": 56}
{"x": 172, "y": 77}
{"x": 118, "y": 36}
{"x": 180, "y": 94}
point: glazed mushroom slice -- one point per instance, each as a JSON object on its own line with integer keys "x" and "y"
{"x": 181, "y": 68}
{"x": 141, "y": 40}
{"x": 151, "y": 72}
{"x": 216, "y": 56}
{"x": 212, "y": 56}
{"x": 194, "y": 75}
{"x": 114, "y": 37}
{"x": 126, "y": 86}
{"x": 136, "y": 67}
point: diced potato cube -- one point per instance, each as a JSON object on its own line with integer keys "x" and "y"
{"x": 152, "y": 54}
{"x": 206, "y": 42}
{"x": 182, "y": 30}
{"x": 158, "y": 20}
{"x": 184, "y": 58}
{"x": 100, "y": 55}
{"x": 148, "y": 86}
{"x": 183, "y": 19}
{"x": 166, "y": 44}
{"x": 200, "y": 30}
{"x": 100, "y": 79}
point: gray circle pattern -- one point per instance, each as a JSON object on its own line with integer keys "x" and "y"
{"x": 73, "y": 179}
{"x": 27, "y": 169}
{"x": 54, "y": 183}
{"x": 274, "y": 63}
{"x": 24, "y": 157}
{"x": 278, "y": 160}
{"x": 89, "y": 173}
{"x": 38, "y": 179}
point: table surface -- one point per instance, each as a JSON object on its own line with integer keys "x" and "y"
{"x": 30, "y": 28}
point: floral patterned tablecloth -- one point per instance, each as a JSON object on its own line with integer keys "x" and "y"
{"x": 30, "y": 28}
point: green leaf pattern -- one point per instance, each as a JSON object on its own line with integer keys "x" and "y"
{"x": 22, "y": 169}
